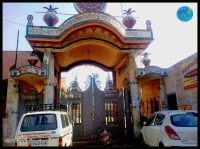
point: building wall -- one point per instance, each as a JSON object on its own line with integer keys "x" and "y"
{"x": 150, "y": 91}
{"x": 184, "y": 88}
{"x": 9, "y": 60}
{"x": 63, "y": 83}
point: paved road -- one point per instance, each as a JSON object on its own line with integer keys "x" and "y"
{"x": 120, "y": 142}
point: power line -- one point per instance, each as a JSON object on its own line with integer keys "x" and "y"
{"x": 13, "y": 22}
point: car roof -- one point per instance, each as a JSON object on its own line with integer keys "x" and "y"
{"x": 45, "y": 112}
{"x": 176, "y": 111}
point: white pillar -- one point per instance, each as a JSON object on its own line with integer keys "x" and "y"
{"x": 49, "y": 83}
{"x": 162, "y": 95}
{"x": 12, "y": 102}
{"x": 135, "y": 108}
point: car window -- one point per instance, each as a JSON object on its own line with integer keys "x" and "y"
{"x": 150, "y": 120}
{"x": 39, "y": 122}
{"x": 65, "y": 120}
{"x": 159, "y": 119}
{"x": 184, "y": 120}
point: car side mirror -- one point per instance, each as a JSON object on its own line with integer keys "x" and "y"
{"x": 144, "y": 123}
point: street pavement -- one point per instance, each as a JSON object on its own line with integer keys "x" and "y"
{"x": 119, "y": 142}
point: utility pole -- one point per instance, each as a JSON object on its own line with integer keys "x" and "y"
{"x": 16, "y": 50}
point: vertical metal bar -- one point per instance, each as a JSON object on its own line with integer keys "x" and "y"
{"x": 93, "y": 77}
{"x": 106, "y": 108}
{"x": 16, "y": 49}
{"x": 75, "y": 111}
{"x": 110, "y": 110}
{"x": 80, "y": 113}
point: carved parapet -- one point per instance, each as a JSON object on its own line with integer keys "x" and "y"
{"x": 151, "y": 70}
{"x": 29, "y": 69}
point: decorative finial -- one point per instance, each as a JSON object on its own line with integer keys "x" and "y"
{"x": 129, "y": 21}
{"x": 50, "y": 17}
{"x": 30, "y": 19}
{"x": 146, "y": 61}
{"x": 148, "y": 23}
{"x": 33, "y": 59}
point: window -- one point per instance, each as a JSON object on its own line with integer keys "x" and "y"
{"x": 67, "y": 120}
{"x": 39, "y": 122}
{"x": 111, "y": 111}
{"x": 184, "y": 120}
{"x": 75, "y": 113}
{"x": 150, "y": 120}
{"x": 64, "y": 120}
{"x": 159, "y": 119}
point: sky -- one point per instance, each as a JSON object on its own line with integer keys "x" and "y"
{"x": 174, "y": 40}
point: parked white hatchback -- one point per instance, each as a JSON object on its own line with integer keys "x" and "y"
{"x": 171, "y": 128}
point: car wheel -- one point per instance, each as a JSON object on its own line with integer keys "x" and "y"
{"x": 142, "y": 142}
{"x": 71, "y": 144}
{"x": 161, "y": 144}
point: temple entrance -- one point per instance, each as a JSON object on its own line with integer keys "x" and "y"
{"x": 88, "y": 109}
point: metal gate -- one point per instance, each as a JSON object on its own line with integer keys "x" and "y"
{"x": 88, "y": 109}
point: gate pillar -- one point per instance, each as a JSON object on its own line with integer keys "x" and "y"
{"x": 48, "y": 62}
{"x": 127, "y": 107}
{"x": 162, "y": 95}
{"x": 11, "y": 111}
{"x": 57, "y": 94}
{"x": 135, "y": 108}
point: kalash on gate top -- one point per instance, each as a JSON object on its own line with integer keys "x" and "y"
{"x": 88, "y": 12}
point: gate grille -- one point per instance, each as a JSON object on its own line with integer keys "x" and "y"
{"x": 75, "y": 113}
{"x": 111, "y": 111}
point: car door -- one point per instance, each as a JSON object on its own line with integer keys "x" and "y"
{"x": 147, "y": 130}
{"x": 156, "y": 129}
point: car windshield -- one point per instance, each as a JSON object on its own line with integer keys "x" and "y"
{"x": 184, "y": 120}
{"x": 39, "y": 122}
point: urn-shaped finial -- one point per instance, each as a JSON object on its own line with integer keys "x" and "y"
{"x": 129, "y": 21}
{"x": 33, "y": 59}
{"x": 50, "y": 17}
{"x": 146, "y": 61}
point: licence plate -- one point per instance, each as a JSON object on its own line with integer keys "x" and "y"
{"x": 43, "y": 143}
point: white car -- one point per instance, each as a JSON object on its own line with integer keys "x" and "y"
{"x": 171, "y": 128}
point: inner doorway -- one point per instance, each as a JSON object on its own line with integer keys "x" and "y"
{"x": 172, "y": 103}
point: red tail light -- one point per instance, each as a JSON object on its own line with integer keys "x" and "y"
{"x": 171, "y": 133}
{"x": 15, "y": 144}
{"x": 60, "y": 142}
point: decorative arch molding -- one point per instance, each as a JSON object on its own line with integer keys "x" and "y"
{"x": 82, "y": 42}
{"x": 74, "y": 21}
{"x": 86, "y": 62}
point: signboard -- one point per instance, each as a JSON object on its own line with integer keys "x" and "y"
{"x": 151, "y": 70}
{"x": 189, "y": 74}
{"x": 85, "y": 18}
{"x": 185, "y": 107}
{"x": 29, "y": 69}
